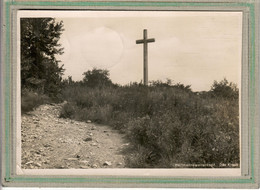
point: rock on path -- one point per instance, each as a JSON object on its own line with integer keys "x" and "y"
{"x": 52, "y": 142}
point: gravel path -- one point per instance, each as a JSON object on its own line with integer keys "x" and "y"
{"x": 52, "y": 142}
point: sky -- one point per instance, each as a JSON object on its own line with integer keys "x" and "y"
{"x": 193, "y": 48}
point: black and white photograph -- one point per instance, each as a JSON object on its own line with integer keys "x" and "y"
{"x": 130, "y": 89}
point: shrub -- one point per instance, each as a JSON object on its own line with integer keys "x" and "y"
{"x": 98, "y": 114}
{"x": 96, "y": 78}
{"x": 31, "y": 100}
{"x": 139, "y": 158}
{"x": 68, "y": 110}
{"x": 225, "y": 89}
{"x": 167, "y": 124}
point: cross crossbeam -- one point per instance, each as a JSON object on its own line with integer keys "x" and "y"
{"x": 145, "y": 41}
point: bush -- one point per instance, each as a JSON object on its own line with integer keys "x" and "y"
{"x": 139, "y": 158}
{"x": 96, "y": 78}
{"x": 31, "y": 100}
{"x": 167, "y": 124}
{"x": 98, "y": 114}
{"x": 225, "y": 89}
{"x": 68, "y": 111}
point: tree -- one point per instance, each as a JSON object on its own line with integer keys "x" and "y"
{"x": 97, "y": 78}
{"x": 40, "y": 69}
{"x": 225, "y": 89}
{"x": 68, "y": 81}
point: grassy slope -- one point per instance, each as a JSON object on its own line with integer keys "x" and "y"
{"x": 167, "y": 125}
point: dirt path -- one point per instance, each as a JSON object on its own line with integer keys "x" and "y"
{"x": 52, "y": 142}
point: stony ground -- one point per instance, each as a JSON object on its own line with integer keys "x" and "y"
{"x": 52, "y": 142}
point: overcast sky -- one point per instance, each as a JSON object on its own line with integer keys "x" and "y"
{"x": 193, "y": 48}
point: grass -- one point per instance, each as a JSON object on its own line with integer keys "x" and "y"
{"x": 167, "y": 124}
{"x": 30, "y": 100}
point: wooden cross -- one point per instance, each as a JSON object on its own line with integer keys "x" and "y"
{"x": 145, "y": 41}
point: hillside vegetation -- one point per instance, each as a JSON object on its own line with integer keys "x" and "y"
{"x": 168, "y": 124}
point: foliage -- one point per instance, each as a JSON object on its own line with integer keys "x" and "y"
{"x": 169, "y": 83}
{"x": 31, "y": 100}
{"x": 96, "y": 78}
{"x": 68, "y": 82}
{"x": 68, "y": 110}
{"x": 167, "y": 123}
{"x": 40, "y": 70}
{"x": 224, "y": 89}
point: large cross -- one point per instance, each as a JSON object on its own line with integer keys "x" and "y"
{"x": 145, "y": 41}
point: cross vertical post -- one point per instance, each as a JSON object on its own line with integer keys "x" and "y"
{"x": 145, "y": 41}
{"x": 145, "y": 59}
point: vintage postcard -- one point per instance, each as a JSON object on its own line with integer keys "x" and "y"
{"x": 131, "y": 93}
{"x": 120, "y": 89}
